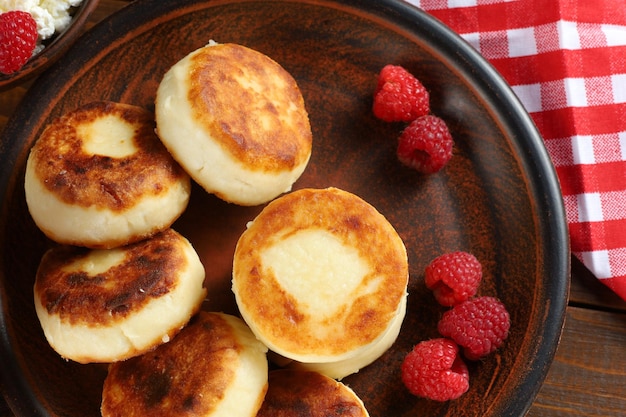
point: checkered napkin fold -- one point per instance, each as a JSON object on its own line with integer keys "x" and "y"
{"x": 566, "y": 61}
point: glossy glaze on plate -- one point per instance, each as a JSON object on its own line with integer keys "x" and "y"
{"x": 498, "y": 197}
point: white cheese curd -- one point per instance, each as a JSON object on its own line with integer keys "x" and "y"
{"x": 52, "y": 16}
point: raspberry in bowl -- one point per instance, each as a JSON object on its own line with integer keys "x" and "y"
{"x": 21, "y": 58}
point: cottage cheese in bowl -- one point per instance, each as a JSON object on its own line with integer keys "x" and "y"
{"x": 52, "y": 16}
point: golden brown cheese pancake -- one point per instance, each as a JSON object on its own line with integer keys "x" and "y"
{"x": 342, "y": 368}
{"x": 106, "y": 305}
{"x": 236, "y": 121}
{"x": 99, "y": 177}
{"x": 302, "y": 393}
{"x": 320, "y": 276}
{"x": 214, "y": 367}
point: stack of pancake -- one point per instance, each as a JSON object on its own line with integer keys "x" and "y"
{"x": 319, "y": 276}
{"x": 121, "y": 281}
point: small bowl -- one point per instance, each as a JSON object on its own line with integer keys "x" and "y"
{"x": 54, "y": 49}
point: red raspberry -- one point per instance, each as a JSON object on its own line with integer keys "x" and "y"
{"x": 425, "y": 144}
{"x": 454, "y": 277}
{"x": 18, "y": 37}
{"x": 434, "y": 369}
{"x": 399, "y": 96}
{"x": 479, "y": 325}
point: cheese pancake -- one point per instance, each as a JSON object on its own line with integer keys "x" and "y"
{"x": 301, "y": 393}
{"x": 213, "y": 367}
{"x": 320, "y": 276}
{"x": 340, "y": 369}
{"x": 99, "y": 177}
{"x": 236, "y": 121}
{"x": 105, "y": 305}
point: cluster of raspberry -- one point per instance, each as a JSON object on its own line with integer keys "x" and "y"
{"x": 426, "y": 143}
{"x": 474, "y": 327}
{"x": 478, "y": 326}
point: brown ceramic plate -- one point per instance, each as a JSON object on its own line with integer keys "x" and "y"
{"x": 498, "y": 197}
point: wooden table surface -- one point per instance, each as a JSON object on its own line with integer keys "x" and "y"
{"x": 588, "y": 376}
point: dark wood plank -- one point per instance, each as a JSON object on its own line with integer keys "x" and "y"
{"x": 587, "y": 291}
{"x": 588, "y": 375}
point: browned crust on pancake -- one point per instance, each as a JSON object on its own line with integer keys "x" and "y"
{"x": 82, "y": 179}
{"x": 356, "y": 224}
{"x": 150, "y": 270}
{"x": 187, "y": 376}
{"x": 303, "y": 393}
{"x": 232, "y": 115}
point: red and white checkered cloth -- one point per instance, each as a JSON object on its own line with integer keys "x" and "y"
{"x": 566, "y": 61}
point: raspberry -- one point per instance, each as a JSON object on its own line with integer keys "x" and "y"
{"x": 454, "y": 277}
{"x": 434, "y": 369}
{"x": 425, "y": 144}
{"x": 18, "y": 37}
{"x": 399, "y": 96}
{"x": 479, "y": 325}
